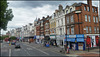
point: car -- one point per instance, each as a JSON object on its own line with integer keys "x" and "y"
{"x": 17, "y": 45}
{"x": 13, "y": 43}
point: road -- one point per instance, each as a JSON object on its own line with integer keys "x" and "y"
{"x": 25, "y": 50}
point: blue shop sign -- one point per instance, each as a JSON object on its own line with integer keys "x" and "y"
{"x": 71, "y": 39}
{"x": 80, "y": 39}
{"x": 80, "y": 35}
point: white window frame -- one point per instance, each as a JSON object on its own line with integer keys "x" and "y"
{"x": 67, "y": 19}
{"x": 86, "y": 18}
{"x": 68, "y": 31}
{"x": 85, "y": 8}
{"x": 72, "y": 20}
{"x": 88, "y": 8}
{"x": 72, "y": 30}
{"x": 86, "y": 29}
{"x": 89, "y": 17}
{"x": 94, "y": 29}
{"x": 97, "y": 29}
{"x": 94, "y": 19}
{"x": 90, "y": 30}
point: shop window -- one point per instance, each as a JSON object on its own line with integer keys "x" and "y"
{"x": 87, "y": 29}
{"x": 96, "y": 19}
{"x": 86, "y": 18}
{"x": 89, "y": 18}
{"x": 95, "y": 29}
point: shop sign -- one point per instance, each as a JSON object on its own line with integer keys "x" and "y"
{"x": 52, "y": 37}
{"x": 72, "y": 36}
{"x": 80, "y": 39}
{"x": 80, "y": 35}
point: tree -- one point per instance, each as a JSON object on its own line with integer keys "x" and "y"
{"x": 6, "y": 14}
{"x": 13, "y": 38}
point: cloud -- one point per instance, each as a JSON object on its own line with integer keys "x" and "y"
{"x": 26, "y": 11}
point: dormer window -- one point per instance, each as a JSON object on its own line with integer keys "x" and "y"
{"x": 71, "y": 10}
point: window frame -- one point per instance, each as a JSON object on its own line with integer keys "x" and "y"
{"x": 90, "y": 29}
{"x": 72, "y": 30}
{"x": 89, "y": 18}
{"x": 94, "y": 19}
{"x": 87, "y": 29}
{"x": 94, "y": 29}
{"x": 68, "y": 31}
{"x": 86, "y": 18}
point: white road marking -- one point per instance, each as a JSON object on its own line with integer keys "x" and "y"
{"x": 37, "y": 49}
{"x": 16, "y": 49}
{"x": 9, "y": 52}
{"x": 29, "y": 48}
{"x": 27, "y": 52}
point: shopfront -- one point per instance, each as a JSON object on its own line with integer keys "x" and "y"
{"x": 42, "y": 39}
{"x": 60, "y": 40}
{"x": 76, "y": 41}
{"x": 53, "y": 40}
{"x": 92, "y": 41}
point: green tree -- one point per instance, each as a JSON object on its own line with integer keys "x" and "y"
{"x": 3, "y": 37}
{"x": 13, "y": 38}
{"x": 6, "y": 14}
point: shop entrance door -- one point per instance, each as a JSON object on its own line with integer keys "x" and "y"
{"x": 80, "y": 46}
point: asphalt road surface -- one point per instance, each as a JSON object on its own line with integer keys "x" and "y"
{"x": 25, "y": 50}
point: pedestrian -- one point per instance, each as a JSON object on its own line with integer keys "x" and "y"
{"x": 73, "y": 47}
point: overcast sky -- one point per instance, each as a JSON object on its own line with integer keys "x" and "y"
{"x": 26, "y": 11}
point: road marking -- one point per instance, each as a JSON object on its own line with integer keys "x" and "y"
{"x": 27, "y": 52}
{"x": 37, "y": 49}
{"x": 17, "y": 50}
{"x": 9, "y": 52}
{"x": 29, "y": 48}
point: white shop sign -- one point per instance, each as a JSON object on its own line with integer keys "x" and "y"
{"x": 72, "y": 36}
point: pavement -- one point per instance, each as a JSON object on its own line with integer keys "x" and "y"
{"x": 94, "y": 52}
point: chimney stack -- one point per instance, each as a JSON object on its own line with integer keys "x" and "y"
{"x": 89, "y": 2}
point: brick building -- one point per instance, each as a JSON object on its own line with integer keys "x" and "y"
{"x": 82, "y": 23}
{"x": 38, "y": 31}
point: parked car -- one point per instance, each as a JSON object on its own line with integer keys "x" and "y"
{"x": 17, "y": 45}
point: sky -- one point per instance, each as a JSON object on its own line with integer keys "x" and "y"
{"x": 27, "y": 11}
